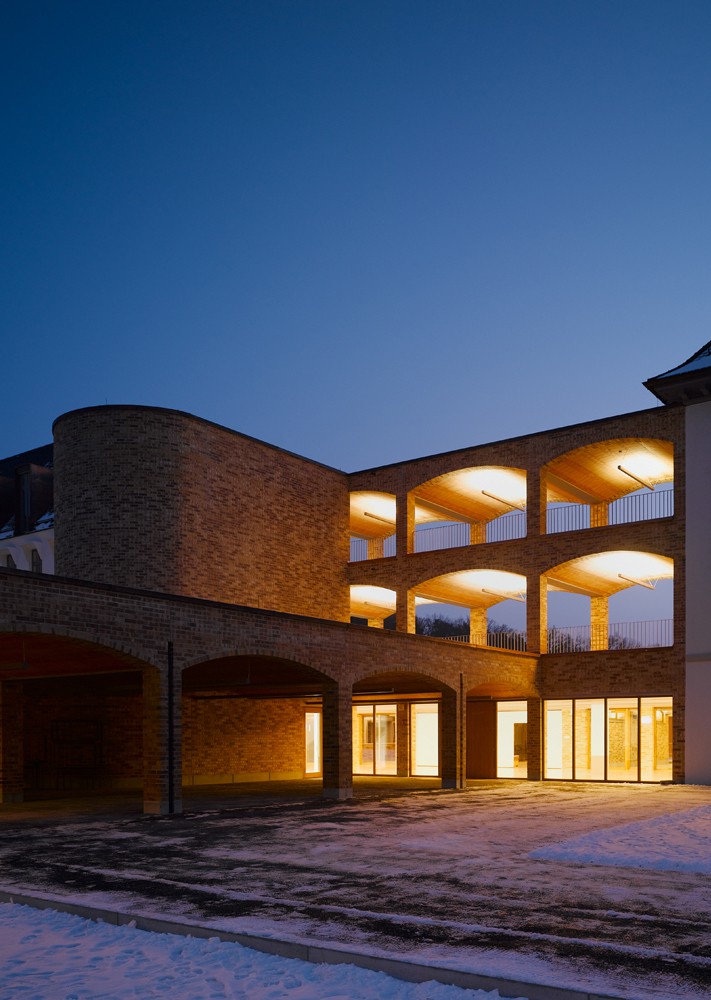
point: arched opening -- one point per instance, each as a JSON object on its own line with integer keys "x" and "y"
{"x": 372, "y": 525}
{"x": 610, "y": 600}
{"x": 251, "y": 719}
{"x": 610, "y": 482}
{"x": 481, "y": 594}
{"x": 470, "y": 506}
{"x": 72, "y": 719}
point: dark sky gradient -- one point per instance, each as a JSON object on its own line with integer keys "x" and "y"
{"x": 363, "y": 231}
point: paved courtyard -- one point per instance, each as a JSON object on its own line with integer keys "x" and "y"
{"x": 441, "y": 877}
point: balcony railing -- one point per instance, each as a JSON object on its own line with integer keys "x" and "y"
{"x": 582, "y": 638}
{"x": 452, "y": 536}
{"x": 626, "y": 510}
{"x": 496, "y": 640}
{"x": 619, "y": 635}
{"x": 383, "y": 547}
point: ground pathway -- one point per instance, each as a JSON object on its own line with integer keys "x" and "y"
{"x": 442, "y": 877}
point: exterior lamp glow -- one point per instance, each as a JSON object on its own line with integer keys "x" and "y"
{"x": 637, "y": 479}
{"x": 642, "y": 583}
{"x": 505, "y": 597}
{"x": 508, "y": 503}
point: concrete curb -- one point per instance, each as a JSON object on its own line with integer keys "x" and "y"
{"x": 412, "y": 972}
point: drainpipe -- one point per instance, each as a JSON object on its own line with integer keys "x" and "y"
{"x": 171, "y": 733}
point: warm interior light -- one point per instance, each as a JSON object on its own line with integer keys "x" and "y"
{"x": 507, "y": 503}
{"x": 637, "y": 479}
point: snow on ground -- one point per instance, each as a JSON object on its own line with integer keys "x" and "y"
{"x": 468, "y": 880}
{"x": 679, "y": 843}
{"x": 45, "y": 955}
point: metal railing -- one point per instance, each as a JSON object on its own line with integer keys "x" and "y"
{"x": 452, "y": 536}
{"x": 625, "y": 510}
{"x": 383, "y": 547}
{"x": 496, "y": 640}
{"x": 581, "y": 638}
{"x": 618, "y": 635}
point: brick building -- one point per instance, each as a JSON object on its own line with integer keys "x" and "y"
{"x": 202, "y": 607}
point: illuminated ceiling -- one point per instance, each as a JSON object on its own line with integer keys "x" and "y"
{"x": 606, "y": 573}
{"x": 474, "y": 588}
{"x": 592, "y": 475}
{"x": 477, "y": 494}
{"x": 372, "y": 514}
{"x": 375, "y": 602}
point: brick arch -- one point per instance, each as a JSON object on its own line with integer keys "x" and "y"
{"x": 282, "y": 650}
{"x": 48, "y": 650}
{"x": 411, "y": 672}
{"x": 646, "y": 456}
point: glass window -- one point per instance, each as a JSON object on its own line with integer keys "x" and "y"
{"x": 511, "y": 739}
{"x": 558, "y": 738}
{"x": 374, "y": 739}
{"x": 313, "y": 743}
{"x": 622, "y": 739}
{"x": 590, "y": 739}
{"x": 424, "y": 739}
{"x": 656, "y": 739}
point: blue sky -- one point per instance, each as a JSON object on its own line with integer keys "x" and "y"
{"x": 363, "y": 231}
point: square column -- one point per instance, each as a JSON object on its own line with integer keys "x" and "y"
{"x": 375, "y": 548}
{"x": 599, "y": 619}
{"x": 162, "y": 757}
{"x": 405, "y": 611}
{"x": 452, "y": 727}
{"x": 12, "y": 755}
{"x": 536, "y": 613}
{"x": 405, "y": 523}
{"x": 534, "y": 731}
{"x": 598, "y": 514}
{"x": 477, "y": 626}
{"x": 477, "y": 532}
{"x": 338, "y": 741}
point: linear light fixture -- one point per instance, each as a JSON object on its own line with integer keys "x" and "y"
{"x": 506, "y": 597}
{"x": 376, "y": 517}
{"x": 637, "y": 479}
{"x": 509, "y": 503}
{"x": 642, "y": 583}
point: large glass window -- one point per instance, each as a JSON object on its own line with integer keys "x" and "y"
{"x": 424, "y": 739}
{"x": 313, "y": 743}
{"x": 656, "y": 739}
{"x": 590, "y": 739}
{"x": 612, "y": 739}
{"x": 622, "y": 739}
{"x": 511, "y": 739}
{"x": 559, "y": 739}
{"x": 374, "y": 739}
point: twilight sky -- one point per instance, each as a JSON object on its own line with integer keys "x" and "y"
{"x": 363, "y": 230}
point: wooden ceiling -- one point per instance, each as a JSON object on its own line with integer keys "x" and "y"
{"x": 474, "y": 495}
{"x": 607, "y": 573}
{"x": 592, "y": 475}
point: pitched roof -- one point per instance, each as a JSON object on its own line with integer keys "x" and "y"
{"x": 689, "y": 382}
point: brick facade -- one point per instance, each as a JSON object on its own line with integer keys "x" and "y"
{"x": 203, "y": 592}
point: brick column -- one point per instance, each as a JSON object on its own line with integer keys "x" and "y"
{"x": 534, "y": 732}
{"x": 536, "y": 613}
{"x": 598, "y": 514}
{"x": 338, "y": 741}
{"x": 375, "y": 548}
{"x": 405, "y": 611}
{"x": 477, "y": 532}
{"x": 536, "y": 503}
{"x": 403, "y": 740}
{"x": 599, "y": 618}
{"x": 477, "y": 625}
{"x": 452, "y": 726}
{"x": 376, "y": 623}
{"x": 405, "y": 523}
{"x": 161, "y": 743}
{"x": 12, "y": 757}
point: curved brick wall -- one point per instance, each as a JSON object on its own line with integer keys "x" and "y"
{"x": 161, "y": 500}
